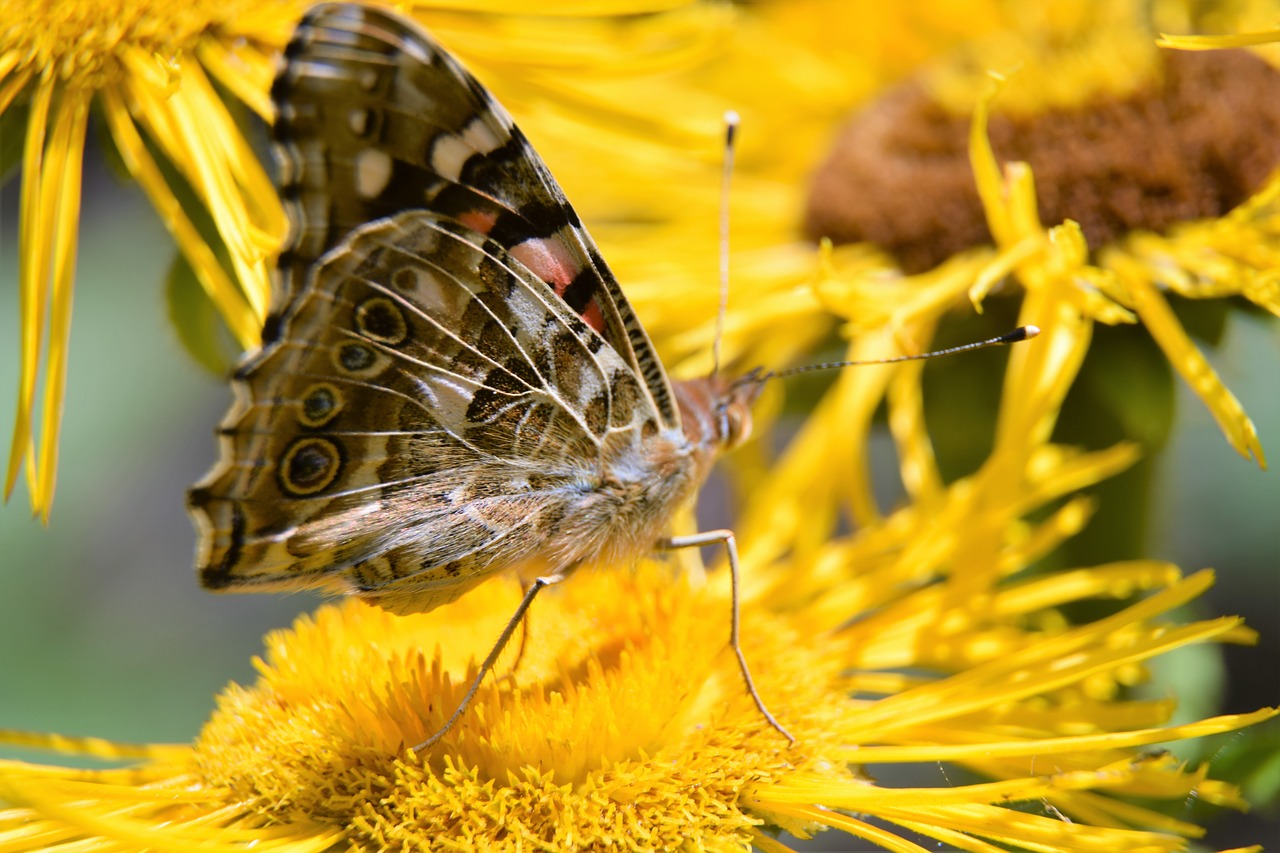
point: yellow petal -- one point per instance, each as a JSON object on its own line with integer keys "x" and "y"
{"x": 64, "y": 157}
{"x": 1187, "y": 359}
{"x": 10, "y": 86}
{"x": 35, "y": 222}
{"x": 221, "y": 289}
{"x": 1218, "y": 42}
{"x": 192, "y": 126}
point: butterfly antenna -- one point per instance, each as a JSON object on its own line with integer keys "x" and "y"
{"x": 1022, "y": 333}
{"x": 730, "y": 145}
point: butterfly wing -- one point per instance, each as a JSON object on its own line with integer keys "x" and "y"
{"x": 375, "y": 118}
{"x": 438, "y": 387}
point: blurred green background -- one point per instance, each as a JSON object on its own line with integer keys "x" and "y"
{"x": 104, "y": 630}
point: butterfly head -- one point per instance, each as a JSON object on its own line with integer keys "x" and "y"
{"x": 716, "y": 412}
{"x": 733, "y": 408}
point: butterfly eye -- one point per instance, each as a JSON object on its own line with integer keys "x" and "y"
{"x": 735, "y": 425}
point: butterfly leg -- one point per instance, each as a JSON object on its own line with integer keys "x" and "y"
{"x": 516, "y": 618}
{"x": 726, "y": 538}
{"x": 524, "y": 642}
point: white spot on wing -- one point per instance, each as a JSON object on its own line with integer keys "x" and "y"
{"x": 448, "y": 155}
{"x": 480, "y": 136}
{"x": 373, "y": 171}
{"x": 358, "y": 121}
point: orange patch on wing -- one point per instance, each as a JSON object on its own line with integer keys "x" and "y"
{"x": 593, "y": 318}
{"x": 549, "y": 260}
{"x": 477, "y": 221}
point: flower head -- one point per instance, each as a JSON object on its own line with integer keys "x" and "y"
{"x": 1155, "y": 189}
{"x": 625, "y": 725}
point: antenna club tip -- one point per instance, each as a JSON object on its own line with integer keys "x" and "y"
{"x": 730, "y": 129}
{"x": 1022, "y": 333}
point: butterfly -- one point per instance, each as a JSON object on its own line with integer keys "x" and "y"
{"x": 451, "y": 384}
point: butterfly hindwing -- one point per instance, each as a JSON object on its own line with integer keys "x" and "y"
{"x": 426, "y": 405}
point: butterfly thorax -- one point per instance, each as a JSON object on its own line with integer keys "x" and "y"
{"x": 643, "y": 478}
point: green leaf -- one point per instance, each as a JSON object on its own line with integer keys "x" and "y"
{"x": 13, "y": 134}
{"x": 196, "y": 320}
{"x": 1203, "y": 319}
{"x": 1125, "y": 392}
{"x": 962, "y": 392}
{"x": 1249, "y": 758}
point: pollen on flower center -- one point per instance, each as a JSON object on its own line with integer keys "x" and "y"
{"x": 1191, "y": 145}
{"x": 626, "y": 709}
{"x": 84, "y": 41}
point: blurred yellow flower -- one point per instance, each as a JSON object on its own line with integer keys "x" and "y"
{"x": 1154, "y": 174}
{"x": 646, "y": 180}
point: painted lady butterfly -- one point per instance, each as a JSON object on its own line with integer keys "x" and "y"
{"x": 452, "y": 384}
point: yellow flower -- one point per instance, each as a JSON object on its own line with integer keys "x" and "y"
{"x": 647, "y": 181}
{"x": 932, "y": 634}
{"x": 152, "y": 68}
{"x": 625, "y": 724}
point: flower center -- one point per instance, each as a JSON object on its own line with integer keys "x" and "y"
{"x": 1194, "y": 143}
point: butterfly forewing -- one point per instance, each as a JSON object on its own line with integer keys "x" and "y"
{"x": 453, "y": 384}
{"x": 375, "y": 118}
